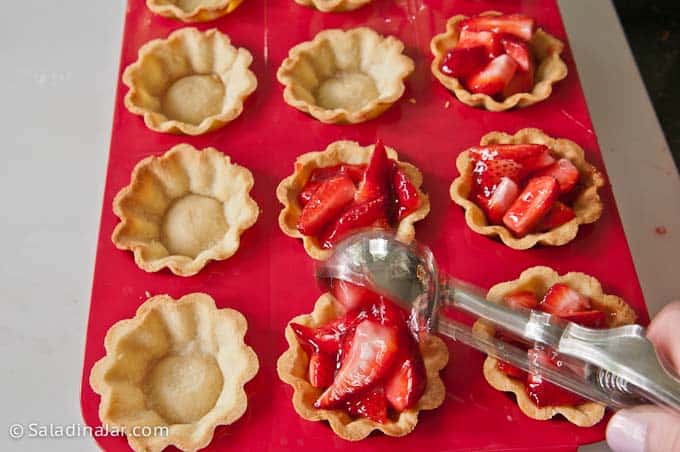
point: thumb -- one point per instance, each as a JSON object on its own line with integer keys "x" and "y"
{"x": 644, "y": 429}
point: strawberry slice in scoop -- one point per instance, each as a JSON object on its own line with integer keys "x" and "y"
{"x": 523, "y": 299}
{"x": 518, "y": 25}
{"x": 543, "y": 393}
{"x": 405, "y": 192}
{"x": 350, "y": 295}
{"x": 494, "y": 77}
{"x": 370, "y": 356}
{"x": 357, "y": 216}
{"x": 590, "y": 319}
{"x": 510, "y": 370}
{"x": 371, "y": 404}
{"x": 562, "y": 300}
{"x": 504, "y": 195}
{"x": 325, "y": 204}
{"x": 463, "y": 62}
{"x": 558, "y": 215}
{"x": 377, "y": 177}
{"x": 565, "y": 172}
{"x": 532, "y": 205}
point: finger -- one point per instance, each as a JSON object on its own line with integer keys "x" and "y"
{"x": 644, "y": 429}
{"x": 664, "y": 332}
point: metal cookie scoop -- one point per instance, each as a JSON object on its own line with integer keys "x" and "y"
{"x": 618, "y": 367}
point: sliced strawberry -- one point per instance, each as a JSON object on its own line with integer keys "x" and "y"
{"x": 350, "y": 295}
{"x": 307, "y": 191}
{"x": 519, "y": 51}
{"x": 354, "y": 172}
{"x": 558, "y": 215}
{"x": 501, "y": 199}
{"x": 321, "y": 370}
{"x": 565, "y": 172}
{"x": 494, "y": 77}
{"x": 533, "y": 204}
{"x": 357, "y": 216}
{"x": 377, "y": 177}
{"x": 370, "y": 356}
{"x": 522, "y": 82}
{"x": 389, "y": 314}
{"x": 324, "y": 206}
{"x": 562, "y": 300}
{"x": 488, "y": 174}
{"x": 462, "y": 62}
{"x": 406, "y": 194}
{"x": 590, "y": 319}
{"x": 407, "y": 382}
{"x": 510, "y": 370}
{"x": 532, "y": 157}
{"x": 490, "y": 41}
{"x": 523, "y": 299}
{"x": 515, "y": 24}
{"x": 371, "y": 404}
{"x": 320, "y": 340}
{"x": 543, "y": 393}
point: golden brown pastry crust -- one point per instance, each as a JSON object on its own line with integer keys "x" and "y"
{"x": 587, "y": 206}
{"x": 336, "y": 6}
{"x": 336, "y": 153}
{"x": 334, "y": 53}
{"x": 162, "y": 327}
{"x": 186, "y": 53}
{"x": 157, "y": 183}
{"x": 538, "y": 280}
{"x": 292, "y": 368}
{"x": 201, "y": 11}
{"x": 550, "y": 68}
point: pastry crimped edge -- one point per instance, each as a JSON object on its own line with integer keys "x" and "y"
{"x": 337, "y": 153}
{"x": 182, "y": 265}
{"x": 157, "y": 121}
{"x": 587, "y": 206}
{"x": 538, "y": 280}
{"x": 373, "y": 109}
{"x": 176, "y": 436}
{"x": 292, "y": 368}
{"x": 202, "y": 13}
{"x": 549, "y": 64}
{"x": 328, "y": 6}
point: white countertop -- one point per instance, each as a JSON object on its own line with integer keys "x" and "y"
{"x": 59, "y": 63}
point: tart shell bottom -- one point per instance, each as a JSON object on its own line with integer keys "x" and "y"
{"x": 538, "y": 280}
{"x": 587, "y": 205}
{"x": 349, "y": 152}
{"x": 292, "y": 369}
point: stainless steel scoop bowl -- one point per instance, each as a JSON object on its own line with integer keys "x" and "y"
{"x": 617, "y": 367}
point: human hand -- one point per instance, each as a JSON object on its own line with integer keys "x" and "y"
{"x": 649, "y": 428}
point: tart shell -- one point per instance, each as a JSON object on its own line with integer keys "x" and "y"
{"x": 292, "y": 369}
{"x": 328, "y": 6}
{"x": 222, "y": 208}
{"x": 538, "y": 280}
{"x": 550, "y": 68}
{"x": 587, "y": 206}
{"x": 201, "y": 12}
{"x": 192, "y": 329}
{"x": 216, "y": 82}
{"x": 335, "y": 52}
{"x": 336, "y": 153}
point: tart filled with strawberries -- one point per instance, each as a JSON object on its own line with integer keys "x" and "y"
{"x": 348, "y": 187}
{"x": 355, "y": 363}
{"x": 497, "y": 61}
{"x": 575, "y": 297}
{"x": 527, "y": 188}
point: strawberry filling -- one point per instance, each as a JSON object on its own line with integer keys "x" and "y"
{"x": 523, "y": 187}
{"x": 338, "y": 199}
{"x": 492, "y": 55}
{"x": 366, "y": 362}
{"x": 566, "y": 303}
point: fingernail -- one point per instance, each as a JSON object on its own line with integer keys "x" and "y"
{"x": 627, "y": 432}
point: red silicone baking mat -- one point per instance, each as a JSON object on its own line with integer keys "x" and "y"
{"x": 270, "y": 278}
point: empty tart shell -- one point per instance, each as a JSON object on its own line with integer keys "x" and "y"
{"x": 538, "y": 280}
{"x": 184, "y": 209}
{"x": 193, "y": 10}
{"x": 292, "y": 369}
{"x": 178, "y": 364}
{"x": 587, "y": 205}
{"x": 550, "y": 68}
{"x": 345, "y": 77}
{"x": 349, "y": 152}
{"x": 190, "y": 83}
{"x": 328, "y": 6}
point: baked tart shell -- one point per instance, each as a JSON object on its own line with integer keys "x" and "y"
{"x": 538, "y": 280}
{"x": 587, "y": 205}
{"x": 550, "y": 68}
{"x": 349, "y": 152}
{"x": 336, "y": 6}
{"x": 293, "y": 364}
{"x": 201, "y": 11}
